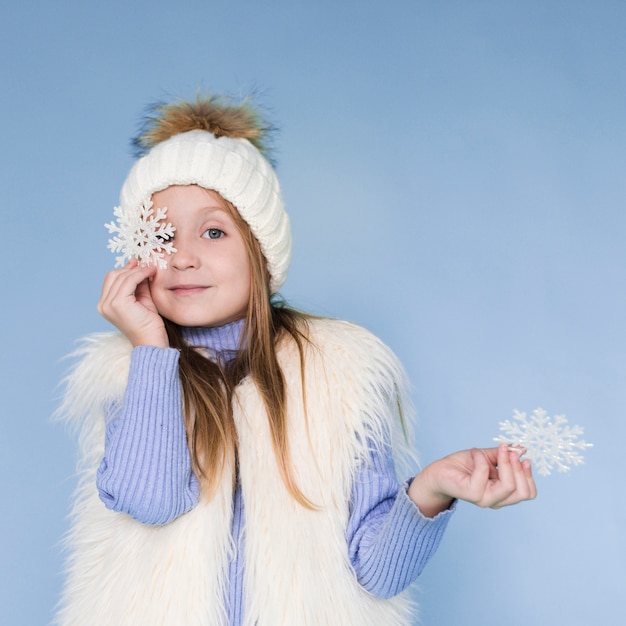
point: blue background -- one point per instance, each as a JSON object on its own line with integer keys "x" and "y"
{"x": 455, "y": 177}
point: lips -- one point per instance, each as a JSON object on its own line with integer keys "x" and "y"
{"x": 188, "y": 290}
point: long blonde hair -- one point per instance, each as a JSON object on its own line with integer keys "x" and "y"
{"x": 208, "y": 386}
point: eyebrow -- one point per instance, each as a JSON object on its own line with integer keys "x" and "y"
{"x": 207, "y": 211}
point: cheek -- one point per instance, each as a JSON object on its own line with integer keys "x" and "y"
{"x": 241, "y": 265}
{"x": 244, "y": 276}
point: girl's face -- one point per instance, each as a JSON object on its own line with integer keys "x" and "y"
{"x": 207, "y": 281}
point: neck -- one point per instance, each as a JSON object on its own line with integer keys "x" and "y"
{"x": 219, "y": 340}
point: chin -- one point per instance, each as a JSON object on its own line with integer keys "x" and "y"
{"x": 202, "y": 322}
{"x": 198, "y": 323}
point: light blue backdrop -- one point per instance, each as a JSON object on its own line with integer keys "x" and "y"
{"x": 455, "y": 176}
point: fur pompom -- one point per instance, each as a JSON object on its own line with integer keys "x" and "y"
{"x": 218, "y": 115}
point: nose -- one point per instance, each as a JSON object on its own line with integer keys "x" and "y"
{"x": 185, "y": 257}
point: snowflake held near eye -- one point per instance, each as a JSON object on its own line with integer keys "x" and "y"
{"x": 141, "y": 235}
{"x": 548, "y": 443}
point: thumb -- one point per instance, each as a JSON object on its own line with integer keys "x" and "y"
{"x": 144, "y": 295}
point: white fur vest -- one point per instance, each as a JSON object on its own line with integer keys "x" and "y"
{"x": 297, "y": 568}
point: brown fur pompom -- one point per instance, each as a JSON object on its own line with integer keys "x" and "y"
{"x": 215, "y": 114}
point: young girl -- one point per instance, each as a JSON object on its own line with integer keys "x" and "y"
{"x": 237, "y": 456}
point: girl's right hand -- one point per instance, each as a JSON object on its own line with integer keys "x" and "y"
{"x": 126, "y": 303}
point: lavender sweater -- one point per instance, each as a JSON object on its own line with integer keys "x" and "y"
{"x": 146, "y": 473}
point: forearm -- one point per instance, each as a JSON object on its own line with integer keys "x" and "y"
{"x": 146, "y": 470}
{"x": 390, "y": 540}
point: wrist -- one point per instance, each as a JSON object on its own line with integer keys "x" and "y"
{"x": 428, "y": 500}
{"x": 155, "y": 341}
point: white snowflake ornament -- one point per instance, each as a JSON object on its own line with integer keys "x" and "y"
{"x": 548, "y": 443}
{"x": 141, "y": 235}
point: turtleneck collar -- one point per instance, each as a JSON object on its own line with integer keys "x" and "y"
{"x": 221, "y": 341}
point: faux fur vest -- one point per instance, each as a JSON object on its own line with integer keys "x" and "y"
{"x": 297, "y": 568}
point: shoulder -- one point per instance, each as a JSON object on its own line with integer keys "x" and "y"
{"x": 352, "y": 346}
{"x": 352, "y": 377}
{"x": 371, "y": 380}
{"x": 99, "y": 373}
{"x": 103, "y": 357}
{"x": 345, "y": 355}
{"x": 111, "y": 344}
{"x": 334, "y": 333}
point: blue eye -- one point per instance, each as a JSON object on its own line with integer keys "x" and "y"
{"x": 213, "y": 233}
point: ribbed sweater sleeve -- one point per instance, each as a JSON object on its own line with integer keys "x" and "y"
{"x": 146, "y": 470}
{"x": 389, "y": 540}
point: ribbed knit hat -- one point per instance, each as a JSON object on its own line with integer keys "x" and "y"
{"x": 206, "y": 153}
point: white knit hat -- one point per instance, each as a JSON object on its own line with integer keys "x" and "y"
{"x": 234, "y": 168}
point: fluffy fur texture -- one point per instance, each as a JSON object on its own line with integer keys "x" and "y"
{"x": 215, "y": 114}
{"x": 123, "y": 573}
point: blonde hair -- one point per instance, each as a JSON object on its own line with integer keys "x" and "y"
{"x": 208, "y": 386}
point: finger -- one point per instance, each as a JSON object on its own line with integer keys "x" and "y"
{"x": 528, "y": 471}
{"x": 144, "y": 295}
{"x": 125, "y": 284}
{"x": 120, "y": 286}
{"x": 111, "y": 288}
{"x": 522, "y": 488}
{"x": 480, "y": 476}
{"x": 491, "y": 455}
{"x": 504, "y": 485}
{"x": 113, "y": 276}
{"x": 107, "y": 284}
{"x": 506, "y": 472}
{"x": 525, "y": 488}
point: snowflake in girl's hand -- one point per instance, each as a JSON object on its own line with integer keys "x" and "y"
{"x": 141, "y": 235}
{"x": 547, "y": 443}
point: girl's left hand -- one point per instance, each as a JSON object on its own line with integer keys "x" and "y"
{"x": 488, "y": 477}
